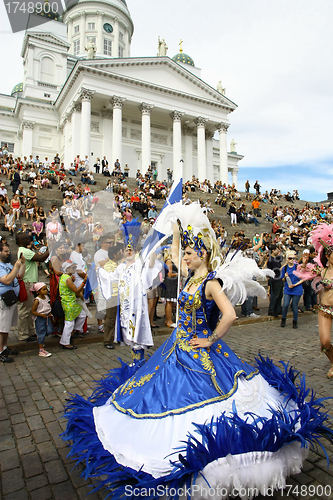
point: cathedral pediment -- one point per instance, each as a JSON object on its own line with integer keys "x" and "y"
{"x": 159, "y": 72}
{"x": 43, "y": 38}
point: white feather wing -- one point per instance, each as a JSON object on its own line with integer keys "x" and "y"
{"x": 238, "y": 273}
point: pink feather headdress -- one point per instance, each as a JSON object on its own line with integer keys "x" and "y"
{"x": 322, "y": 238}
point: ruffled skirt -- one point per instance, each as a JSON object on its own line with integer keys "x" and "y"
{"x": 243, "y": 444}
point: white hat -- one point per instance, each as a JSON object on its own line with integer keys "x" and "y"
{"x": 68, "y": 263}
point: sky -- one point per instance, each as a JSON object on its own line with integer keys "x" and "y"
{"x": 273, "y": 57}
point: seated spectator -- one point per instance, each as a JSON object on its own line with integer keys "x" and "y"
{"x": 152, "y": 213}
{"x": 16, "y": 206}
{"x": 31, "y": 194}
{"x": 72, "y": 170}
{"x": 84, "y": 176}
{"x": 116, "y": 169}
{"x": 251, "y": 219}
{"x": 106, "y": 171}
{"x": 37, "y": 229}
{"x": 3, "y": 192}
{"x": 29, "y": 211}
{"x": 31, "y": 176}
{"x": 90, "y": 179}
{"x": 10, "y": 221}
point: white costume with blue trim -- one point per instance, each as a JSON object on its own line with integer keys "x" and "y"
{"x": 196, "y": 416}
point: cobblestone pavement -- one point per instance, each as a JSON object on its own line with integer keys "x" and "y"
{"x": 34, "y": 463}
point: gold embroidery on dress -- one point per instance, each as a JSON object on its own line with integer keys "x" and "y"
{"x": 132, "y": 329}
{"x": 177, "y": 411}
{"x": 136, "y": 356}
{"x": 208, "y": 365}
{"x": 132, "y": 383}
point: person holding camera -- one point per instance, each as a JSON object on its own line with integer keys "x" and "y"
{"x": 9, "y": 290}
{"x": 26, "y": 327}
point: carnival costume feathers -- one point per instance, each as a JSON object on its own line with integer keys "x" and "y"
{"x": 197, "y": 416}
{"x": 322, "y": 240}
{"x": 235, "y": 270}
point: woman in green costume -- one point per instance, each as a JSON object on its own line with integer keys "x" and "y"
{"x": 74, "y": 314}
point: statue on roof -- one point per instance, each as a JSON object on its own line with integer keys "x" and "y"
{"x": 91, "y": 49}
{"x": 162, "y": 47}
{"x": 220, "y": 89}
{"x": 233, "y": 145}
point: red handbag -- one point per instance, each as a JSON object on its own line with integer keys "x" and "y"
{"x": 23, "y": 294}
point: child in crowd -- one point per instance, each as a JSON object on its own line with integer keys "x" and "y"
{"x": 41, "y": 308}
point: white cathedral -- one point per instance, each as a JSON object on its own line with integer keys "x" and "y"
{"x": 82, "y": 93}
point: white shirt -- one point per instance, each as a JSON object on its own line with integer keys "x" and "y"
{"x": 78, "y": 259}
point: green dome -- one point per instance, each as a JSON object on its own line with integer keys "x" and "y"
{"x": 183, "y": 58}
{"x": 17, "y": 88}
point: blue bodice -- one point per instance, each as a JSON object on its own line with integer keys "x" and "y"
{"x": 179, "y": 378}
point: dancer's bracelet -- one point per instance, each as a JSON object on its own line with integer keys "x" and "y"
{"x": 214, "y": 337}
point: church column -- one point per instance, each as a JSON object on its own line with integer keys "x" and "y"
{"x": 27, "y": 128}
{"x": 177, "y": 139}
{"x": 70, "y": 30}
{"x": 99, "y": 38}
{"x": 67, "y": 142}
{"x": 127, "y": 39}
{"x": 115, "y": 49}
{"x": 234, "y": 173}
{"x": 76, "y": 127}
{"x": 86, "y": 98}
{"x": 117, "y": 135}
{"x": 222, "y": 128}
{"x": 188, "y": 167}
{"x": 146, "y": 139}
{"x": 107, "y": 135}
{"x": 202, "y": 166}
{"x": 83, "y": 42}
{"x": 209, "y": 155}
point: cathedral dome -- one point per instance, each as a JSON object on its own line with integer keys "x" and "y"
{"x": 17, "y": 90}
{"x": 183, "y": 58}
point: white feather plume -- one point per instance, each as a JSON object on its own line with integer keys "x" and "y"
{"x": 236, "y": 271}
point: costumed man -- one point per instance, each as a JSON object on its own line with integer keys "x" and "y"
{"x": 134, "y": 279}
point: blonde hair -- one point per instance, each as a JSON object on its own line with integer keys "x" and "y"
{"x": 215, "y": 258}
{"x": 167, "y": 255}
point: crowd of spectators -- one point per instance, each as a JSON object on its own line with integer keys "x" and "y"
{"x": 22, "y": 208}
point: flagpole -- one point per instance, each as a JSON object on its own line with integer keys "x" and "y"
{"x": 179, "y": 251}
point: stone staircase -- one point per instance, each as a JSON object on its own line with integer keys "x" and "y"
{"x": 103, "y": 210}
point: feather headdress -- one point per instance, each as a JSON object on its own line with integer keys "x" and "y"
{"x": 235, "y": 270}
{"x": 322, "y": 237}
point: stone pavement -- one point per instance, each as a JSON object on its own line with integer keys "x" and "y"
{"x": 34, "y": 463}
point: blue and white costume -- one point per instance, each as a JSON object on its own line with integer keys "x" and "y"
{"x": 197, "y": 416}
{"x": 188, "y": 410}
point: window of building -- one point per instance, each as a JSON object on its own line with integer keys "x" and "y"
{"x": 47, "y": 70}
{"x": 121, "y": 51}
{"x": 107, "y": 47}
{"x": 76, "y": 47}
{"x": 91, "y": 26}
{"x": 77, "y": 28}
{"x": 9, "y": 145}
{"x": 92, "y": 39}
{"x": 121, "y": 36}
